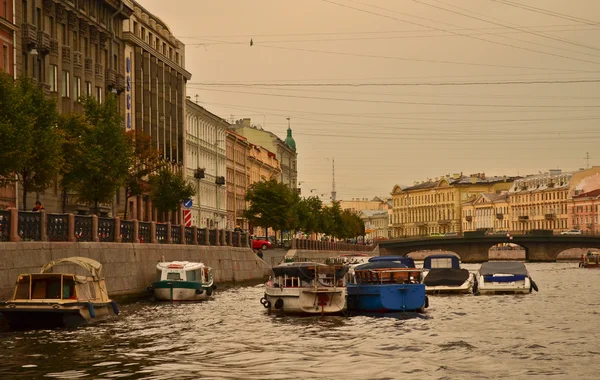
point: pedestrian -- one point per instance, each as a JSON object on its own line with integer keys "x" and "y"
{"x": 259, "y": 253}
{"x": 38, "y": 206}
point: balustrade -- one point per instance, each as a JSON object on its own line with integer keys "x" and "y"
{"x": 144, "y": 232}
{"x": 4, "y": 225}
{"x": 176, "y": 234}
{"x": 83, "y": 228}
{"x": 106, "y": 229}
{"x": 189, "y": 235}
{"x": 57, "y": 227}
{"x": 127, "y": 231}
{"x": 161, "y": 233}
{"x": 201, "y": 236}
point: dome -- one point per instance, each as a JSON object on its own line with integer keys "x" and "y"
{"x": 289, "y": 140}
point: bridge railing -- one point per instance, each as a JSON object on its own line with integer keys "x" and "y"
{"x": 18, "y": 226}
{"x": 318, "y": 245}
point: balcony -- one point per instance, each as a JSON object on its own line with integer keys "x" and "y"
{"x": 111, "y": 77}
{"x": 199, "y": 173}
{"x": 89, "y": 66}
{"x": 66, "y": 54}
{"x": 551, "y": 216}
{"x": 53, "y": 46}
{"x": 523, "y": 218}
{"x": 220, "y": 180}
{"x": 469, "y": 218}
{"x": 120, "y": 82}
{"x": 29, "y": 35}
{"x": 499, "y": 216}
{"x": 99, "y": 71}
{"x": 77, "y": 59}
{"x": 44, "y": 41}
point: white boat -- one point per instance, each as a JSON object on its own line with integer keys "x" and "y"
{"x": 182, "y": 281}
{"x": 442, "y": 274}
{"x": 502, "y": 277}
{"x": 47, "y": 300}
{"x": 306, "y": 288}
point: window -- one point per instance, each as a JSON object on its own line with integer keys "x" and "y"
{"x": 66, "y": 84}
{"x": 5, "y": 62}
{"x": 99, "y": 94}
{"x": 5, "y": 8}
{"x": 88, "y": 88}
{"x": 53, "y": 78}
{"x": 77, "y": 88}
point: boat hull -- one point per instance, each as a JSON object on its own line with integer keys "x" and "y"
{"x": 45, "y": 315}
{"x": 490, "y": 288}
{"x": 310, "y": 300}
{"x": 387, "y": 298}
{"x": 464, "y": 288}
{"x": 181, "y": 290}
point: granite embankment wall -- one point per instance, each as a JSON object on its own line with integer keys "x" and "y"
{"x": 128, "y": 268}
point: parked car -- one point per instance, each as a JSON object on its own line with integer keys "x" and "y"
{"x": 498, "y": 233}
{"x": 261, "y": 244}
{"x": 571, "y": 232}
{"x": 451, "y": 234}
{"x": 436, "y": 234}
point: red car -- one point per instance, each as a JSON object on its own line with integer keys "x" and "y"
{"x": 261, "y": 244}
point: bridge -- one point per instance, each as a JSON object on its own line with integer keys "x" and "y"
{"x": 475, "y": 249}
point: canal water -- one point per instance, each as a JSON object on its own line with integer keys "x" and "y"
{"x": 553, "y": 334}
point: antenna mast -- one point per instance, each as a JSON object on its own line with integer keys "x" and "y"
{"x": 587, "y": 160}
{"x": 333, "y": 192}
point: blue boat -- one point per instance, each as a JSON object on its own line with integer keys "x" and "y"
{"x": 385, "y": 284}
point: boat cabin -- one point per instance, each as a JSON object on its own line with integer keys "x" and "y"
{"x": 386, "y": 272}
{"x": 408, "y": 261}
{"x": 183, "y": 271}
{"x": 307, "y": 274}
{"x": 590, "y": 260}
{"x": 441, "y": 261}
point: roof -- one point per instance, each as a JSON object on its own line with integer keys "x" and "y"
{"x": 92, "y": 266}
{"x": 289, "y": 140}
{"x": 374, "y": 213}
{"x": 589, "y": 194}
{"x": 502, "y": 267}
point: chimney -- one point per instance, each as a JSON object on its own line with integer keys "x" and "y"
{"x": 473, "y": 179}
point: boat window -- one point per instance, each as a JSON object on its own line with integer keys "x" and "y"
{"x": 441, "y": 263}
{"x": 45, "y": 288}
{"x": 68, "y": 289}
{"x": 190, "y": 275}
{"x": 22, "y": 291}
{"x": 198, "y": 274}
{"x": 158, "y": 275}
{"x": 174, "y": 276}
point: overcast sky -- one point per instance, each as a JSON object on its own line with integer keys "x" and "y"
{"x": 404, "y": 129}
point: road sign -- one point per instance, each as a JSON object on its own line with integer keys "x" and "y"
{"x": 187, "y": 218}
{"x": 187, "y": 203}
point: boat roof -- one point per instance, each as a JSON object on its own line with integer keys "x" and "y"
{"x": 306, "y": 270}
{"x": 184, "y": 265}
{"x": 427, "y": 260}
{"x": 92, "y": 266}
{"x": 380, "y": 265}
{"x": 505, "y": 267}
{"x": 408, "y": 261}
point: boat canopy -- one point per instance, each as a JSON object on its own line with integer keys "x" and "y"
{"x": 446, "y": 277}
{"x": 183, "y": 265}
{"x": 502, "y": 267}
{"x": 441, "y": 261}
{"x": 380, "y": 265}
{"x": 408, "y": 261}
{"x": 304, "y": 270}
{"x": 92, "y": 266}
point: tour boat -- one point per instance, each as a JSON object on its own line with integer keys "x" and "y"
{"x": 48, "y": 300}
{"x": 591, "y": 260}
{"x": 443, "y": 274}
{"x": 182, "y": 281}
{"x": 387, "y": 284}
{"x": 306, "y": 288}
{"x": 502, "y": 277}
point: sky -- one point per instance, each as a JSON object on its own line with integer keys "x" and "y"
{"x": 398, "y": 91}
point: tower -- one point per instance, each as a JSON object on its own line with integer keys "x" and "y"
{"x": 333, "y": 192}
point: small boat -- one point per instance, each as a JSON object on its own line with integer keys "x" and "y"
{"x": 182, "y": 281}
{"x": 49, "y": 300}
{"x": 501, "y": 277}
{"x": 591, "y": 260}
{"x": 387, "y": 284}
{"x": 306, "y": 288}
{"x": 443, "y": 274}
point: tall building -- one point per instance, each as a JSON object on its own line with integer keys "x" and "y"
{"x": 155, "y": 92}
{"x": 486, "y": 212}
{"x": 285, "y": 150}
{"x": 237, "y": 178}
{"x": 206, "y": 166}
{"x": 435, "y": 206}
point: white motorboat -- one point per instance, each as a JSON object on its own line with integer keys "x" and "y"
{"x": 182, "y": 281}
{"x": 442, "y": 274}
{"x": 502, "y": 277}
{"x": 306, "y": 288}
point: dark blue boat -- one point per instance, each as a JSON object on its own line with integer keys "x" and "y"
{"x": 385, "y": 284}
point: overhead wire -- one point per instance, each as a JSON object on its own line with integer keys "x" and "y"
{"x": 549, "y": 12}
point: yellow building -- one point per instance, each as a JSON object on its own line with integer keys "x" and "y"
{"x": 262, "y": 165}
{"x": 435, "y": 206}
{"x": 488, "y": 211}
{"x": 360, "y": 204}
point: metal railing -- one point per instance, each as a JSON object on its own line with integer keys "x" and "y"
{"x": 127, "y": 234}
{"x": 176, "y": 234}
{"x": 144, "y": 233}
{"x": 57, "y": 227}
{"x": 189, "y": 235}
{"x": 4, "y": 225}
{"x": 83, "y": 228}
{"x": 161, "y": 233}
{"x": 30, "y": 225}
{"x": 106, "y": 229}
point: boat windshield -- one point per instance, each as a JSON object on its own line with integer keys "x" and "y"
{"x": 45, "y": 286}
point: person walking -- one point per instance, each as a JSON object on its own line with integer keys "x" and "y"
{"x": 38, "y": 206}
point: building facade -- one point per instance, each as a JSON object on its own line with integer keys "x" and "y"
{"x": 360, "y": 204}
{"x": 435, "y": 206}
{"x": 487, "y": 212}
{"x": 237, "y": 179}
{"x": 376, "y": 223}
{"x": 584, "y": 212}
{"x": 8, "y": 35}
{"x": 206, "y": 166}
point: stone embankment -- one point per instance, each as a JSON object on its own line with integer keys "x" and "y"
{"x": 128, "y": 268}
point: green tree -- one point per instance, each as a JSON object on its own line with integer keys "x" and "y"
{"x": 168, "y": 190}
{"x": 146, "y": 161}
{"x": 310, "y": 214}
{"x": 99, "y": 152}
{"x": 31, "y": 143}
{"x": 272, "y": 204}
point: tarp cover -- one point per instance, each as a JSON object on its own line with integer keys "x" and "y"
{"x": 502, "y": 267}
{"x": 380, "y": 265}
{"x": 446, "y": 277}
{"x": 409, "y": 262}
{"x": 305, "y": 271}
{"x": 92, "y": 266}
{"x": 453, "y": 260}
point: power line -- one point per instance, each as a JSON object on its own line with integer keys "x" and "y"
{"x": 548, "y": 12}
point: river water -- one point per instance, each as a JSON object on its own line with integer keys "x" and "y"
{"x": 553, "y": 334}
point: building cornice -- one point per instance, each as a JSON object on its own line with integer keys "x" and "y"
{"x": 4, "y": 23}
{"x": 135, "y": 40}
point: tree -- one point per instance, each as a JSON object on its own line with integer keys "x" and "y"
{"x": 146, "y": 160}
{"x": 99, "y": 152}
{"x": 271, "y": 205}
{"x": 310, "y": 214}
{"x": 168, "y": 190}
{"x": 30, "y": 151}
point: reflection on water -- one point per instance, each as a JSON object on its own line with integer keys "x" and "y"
{"x": 550, "y": 334}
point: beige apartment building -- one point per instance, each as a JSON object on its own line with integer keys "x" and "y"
{"x": 360, "y": 204}
{"x": 238, "y": 179}
{"x": 435, "y": 205}
{"x": 487, "y": 212}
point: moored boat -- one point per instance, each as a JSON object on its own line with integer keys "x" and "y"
{"x": 590, "y": 260}
{"x": 182, "y": 281}
{"x": 442, "y": 274}
{"x": 48, "y": 300}
{"x": 501, "y": 277}
{"x": 386, "y": 285}
{"x": 306, "y": 288}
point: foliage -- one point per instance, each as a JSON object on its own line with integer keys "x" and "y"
{"x": 168, "y": 190}
{"x": 97, "y": 151}
{"x": 145, "y": 161}
{"x": 271, "y": 205}
{"x": 309, "y": 212}
{"x": 31, "y": 143}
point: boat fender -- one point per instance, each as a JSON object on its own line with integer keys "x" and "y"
{"x": 214, "y": 287}
{"x": 199, "y": 291}
{"x": 209, "y": 292}
{"x": 475, "y": 286}
{"x": 114, "y": 307}
{"x": 91, "y": 310}
{"x": 278, "y": 304}
{"x": 149, "y": 289}
{"x": 426, "y": 302}
{"x": 265, "y": 302}
{"x": 533, "y": 285}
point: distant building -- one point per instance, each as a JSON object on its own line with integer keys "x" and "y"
{"x": 584, "y": 212}
{"x": 376, "y": 223}
{"x": 262, "y": 165}
{"x": 360, "y": 204}
{"x": 238, "y": 179}
{"x": 487, "y": 212}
